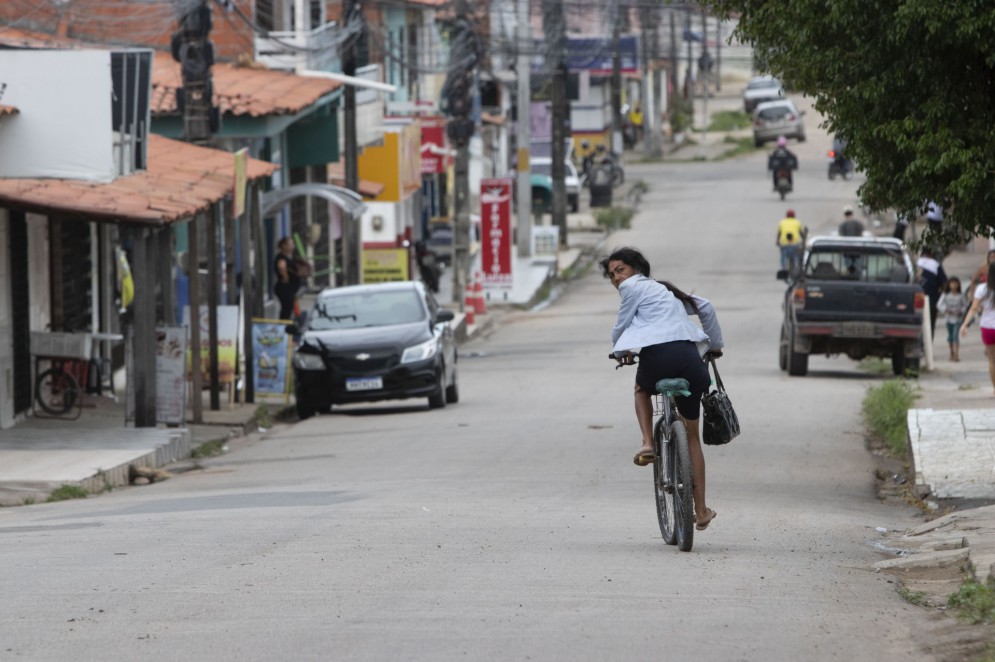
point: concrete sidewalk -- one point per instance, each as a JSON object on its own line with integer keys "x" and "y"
{"x": 98, "y": 450}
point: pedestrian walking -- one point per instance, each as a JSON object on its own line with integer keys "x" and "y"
{"x": 983, "y": 307}
{"x": 850, "y": 226}
{"x": 287, "y": 282}
{"x": 952, "y": 306}
{"x": 981, "y": 274}
{"x": 933, "y": 279}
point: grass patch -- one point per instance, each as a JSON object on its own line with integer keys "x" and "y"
{"x": 211, "y": 448}
{"x": 263, "y": 418}
{"x": 917, "y": 598}
{"x": 28, "y": 501}
{"x": 613, "y": 218}
{"x": 66, "y": 492}
{"x": 739, "y": 146}
{"x": 885, "y": 409}
{"x": 974, "y": 602}
{"x": 730, "y": 120}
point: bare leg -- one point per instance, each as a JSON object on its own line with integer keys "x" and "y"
{"x": 990, "y": 353}
{"x": 644, "y": 414}
{"x": 697, "y": 467}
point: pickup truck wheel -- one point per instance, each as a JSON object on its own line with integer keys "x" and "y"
{"x": 797, "y": 361}
{"x": 783, "y": 193}
{"x": 782, "y": 350}
{"x": 900, "y": 365}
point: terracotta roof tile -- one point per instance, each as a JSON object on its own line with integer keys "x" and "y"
{"x": 241, "y": 90}
{"x": 181, "y": 180}
{"x": 253, "y": 91}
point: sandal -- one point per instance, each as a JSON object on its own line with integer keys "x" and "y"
{"x": 703, "y": 524}
{"x": 642, "y": 458}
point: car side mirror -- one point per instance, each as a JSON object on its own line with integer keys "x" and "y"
{"x": 782, "y": 274}
{"x": 444, "y": 315}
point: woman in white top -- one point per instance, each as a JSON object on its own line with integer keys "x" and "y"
{"x": 984, "y": 303}
{"x": 653, "y": 321}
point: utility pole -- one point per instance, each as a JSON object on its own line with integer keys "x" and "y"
{"x": 718, "y": 54}
{"x": 674, "y": 79}
{"x": 458, "y": 94}
{"x": 523, "y": 68}
{"x": 554, "y": 27}
{"x": 651, "y": 104}
{"x": 193, "y": 50}
{"x": 352, "y": 13}
{"x": 616, "y": 91}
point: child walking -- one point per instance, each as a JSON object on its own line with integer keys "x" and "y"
{"x": 952, "y": 305}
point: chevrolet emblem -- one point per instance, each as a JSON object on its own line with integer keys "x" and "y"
{"x": 362, "y": 357}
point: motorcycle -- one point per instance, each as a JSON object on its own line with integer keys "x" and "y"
{"x": 783, "y": 183}
{"x": 839, "y": 165}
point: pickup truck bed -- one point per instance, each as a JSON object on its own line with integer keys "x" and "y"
{"x": 855, "y": 296}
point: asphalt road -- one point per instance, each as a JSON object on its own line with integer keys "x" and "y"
{"x": 512, "y": 526}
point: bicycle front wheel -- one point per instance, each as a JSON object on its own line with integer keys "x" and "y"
{"x": 683, "y": 486}
{"x": 56, "y": 391}
{"x": 663, "y": 485}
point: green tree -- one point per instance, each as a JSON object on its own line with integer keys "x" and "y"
{"x": 909, "y": 84}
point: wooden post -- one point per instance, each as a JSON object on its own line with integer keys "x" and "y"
{"x": 213, "y": 299}
{"x": 248, "y": 295}
{"x": 193, "y": 270}
{"x": 167, "y": 285}
{"x": 260, "y": 252}
{"x": 229, "y": 249}
{"x": 144, "y": 350}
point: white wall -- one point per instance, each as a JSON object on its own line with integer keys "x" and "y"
{"x": 63, "y": 127}
{"x": 392, "y": 223}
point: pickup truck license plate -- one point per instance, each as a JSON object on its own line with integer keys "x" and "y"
{"x": 858, "y": 329}
{"x": 363, "y": 383}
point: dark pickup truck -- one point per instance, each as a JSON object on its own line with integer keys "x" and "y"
{"x": 855, "y": 296}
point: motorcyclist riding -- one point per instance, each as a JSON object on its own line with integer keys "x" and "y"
{"x": 782, "y": 160}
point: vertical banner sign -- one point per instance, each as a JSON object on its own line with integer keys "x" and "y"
{"x": 271, "y": 349}
{"x": 495, "y": 213}
{"x": 241, "y": 182}
{"x": 170, "y": 374}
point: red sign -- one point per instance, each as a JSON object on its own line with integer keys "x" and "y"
{"x": 433, "y": 148}
{"x": 495, "y": 226}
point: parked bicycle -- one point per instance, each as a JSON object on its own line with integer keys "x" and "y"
{"x": 60, "y": 386}
{"x": 673, "y": 482}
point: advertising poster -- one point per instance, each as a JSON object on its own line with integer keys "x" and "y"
{"x": 272, "y": 349}
{"x": 227, "y": 338}
{"x": 495, "y": 226}
{"x": 385, "y": 265}
{"x": 170, "y": 374}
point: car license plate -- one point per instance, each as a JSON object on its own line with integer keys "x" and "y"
{"x": 858, "y": 329}
{"x": 363, "y": 383}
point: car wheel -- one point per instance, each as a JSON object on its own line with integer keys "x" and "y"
{"x": 758, "y": 143}
{"x": 797, "y": 361}
{"x": 304, "y": 412}
{"x": 782, "y": 354}
{"x": 452, "y": 391}
{"x": 801, "y": 137}
{"x": 438, "y": 399}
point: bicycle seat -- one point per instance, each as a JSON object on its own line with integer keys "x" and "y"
{"x": 674, "y": 386}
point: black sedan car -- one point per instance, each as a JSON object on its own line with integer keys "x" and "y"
{"x": 384, "y": 341}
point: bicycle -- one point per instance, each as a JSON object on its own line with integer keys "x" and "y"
{"x": 59, "y": 388}
{"x": 673, "y": 481}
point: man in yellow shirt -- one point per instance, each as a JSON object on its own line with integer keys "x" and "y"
{"x": 790, "y": 239}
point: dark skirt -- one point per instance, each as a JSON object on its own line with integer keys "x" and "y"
{"x": 671, "y": 360}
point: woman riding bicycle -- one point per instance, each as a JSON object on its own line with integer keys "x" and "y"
{"x": 654, "y": 316}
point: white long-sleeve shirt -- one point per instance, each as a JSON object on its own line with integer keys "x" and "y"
{"x": 650, "y": 314}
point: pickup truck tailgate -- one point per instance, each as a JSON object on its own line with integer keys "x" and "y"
{"x": 883, "y": 303}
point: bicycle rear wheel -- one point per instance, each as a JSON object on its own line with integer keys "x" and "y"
{"x": 683, "y": 486}
{"x": 663, "y": 485}
{"x": 56, "y": 391}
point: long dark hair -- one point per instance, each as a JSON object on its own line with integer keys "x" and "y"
{"x": 635, "y": 259}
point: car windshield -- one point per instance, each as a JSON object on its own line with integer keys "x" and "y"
{"x": 857, "y": 264}
{"x": 543, "y": 169}
{"x": 762, "y": 84}
{"x": 775, "y": 113}
{"x": 365, "y": 309}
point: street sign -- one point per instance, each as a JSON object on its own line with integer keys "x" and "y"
{"x": 495, "y": 212}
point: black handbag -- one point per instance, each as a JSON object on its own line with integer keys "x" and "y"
{"x": 720, "y": 424}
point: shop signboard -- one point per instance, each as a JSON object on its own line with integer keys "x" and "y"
{"x": 385, "y": 265}
{"x": 271, "y": 351}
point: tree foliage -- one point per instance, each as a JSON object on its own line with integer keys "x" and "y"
{"x": 909, "y": 84}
